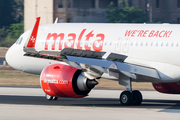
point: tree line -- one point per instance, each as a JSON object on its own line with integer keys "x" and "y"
{"x": 11, "y": 21}
{"x": 125, "y": 13}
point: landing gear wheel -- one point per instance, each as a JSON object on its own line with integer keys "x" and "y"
{"x": 126, "y": 98}
{"x": 55, "y": 98}
{"x": 137, "y": 97}
{"x": 48, "y": 97}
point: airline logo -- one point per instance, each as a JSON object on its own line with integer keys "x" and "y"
{"x": 92, "y": 41}
{"x": 32, "y": 39}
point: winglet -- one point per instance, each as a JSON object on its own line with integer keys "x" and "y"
{"x": 32, "y": 39}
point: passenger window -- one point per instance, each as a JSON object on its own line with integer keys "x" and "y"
{"x": 157, "y": 44}
{"x": 105, "y": 43}
{"x": 86, "y": 43}
{"x": 131, "y": 43}
{"x": 172, "y": 45}
{"x": 177, "y": 44}
{"x": 152, "y": 44}
{"x": 100, "y": 43}
{"x": 167, "y": 44}
{"x": 61, "y": 42}
{"x": 162, "y": 44}
{"x": 147, "y": 44}
{"x": 136, "y": 43}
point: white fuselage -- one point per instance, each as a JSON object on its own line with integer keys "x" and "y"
{"x": 150, "y": 45}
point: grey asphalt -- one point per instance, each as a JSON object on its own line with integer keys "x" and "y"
{"x": 1, "y": 60}
{"x": 19, "y": 103}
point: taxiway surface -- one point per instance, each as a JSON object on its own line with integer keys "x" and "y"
{"x": 19, "y": 103}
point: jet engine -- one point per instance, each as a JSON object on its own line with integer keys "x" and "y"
{"x": 61, "y": 80}
{"x": 171, "y": 88}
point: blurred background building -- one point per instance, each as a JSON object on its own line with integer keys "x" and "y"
{"x": 17, "y": 16}
{"x": 94, "y": 11}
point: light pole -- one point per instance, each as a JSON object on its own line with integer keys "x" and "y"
{"x": 148, "y": 10}
{"x": 150, "y": 13}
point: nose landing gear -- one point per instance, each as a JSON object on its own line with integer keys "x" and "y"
{"x": 49, "y": 97}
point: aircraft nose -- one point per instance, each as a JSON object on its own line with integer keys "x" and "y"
{"x": 8, "y": 56}
{"x": 14, "y": 57}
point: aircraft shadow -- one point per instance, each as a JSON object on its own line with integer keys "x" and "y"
{"x": 88, "y": 102}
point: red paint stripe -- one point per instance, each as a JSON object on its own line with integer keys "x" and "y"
{"x": 33, "y": 37}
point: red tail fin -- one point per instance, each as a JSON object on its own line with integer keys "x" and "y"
{"x": 33, "y": 37}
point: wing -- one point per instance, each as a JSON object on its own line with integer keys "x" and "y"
{"x": 93, "y": 62}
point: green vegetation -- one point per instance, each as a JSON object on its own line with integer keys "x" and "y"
{"x": 1, "y": 73}
{"x": 11, "y": 21}
{"x": 10, "y": 34}
{"x": 124, "y": 14}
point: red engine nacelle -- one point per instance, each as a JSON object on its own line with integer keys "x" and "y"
{"x": 172, "y": 88}
{"x": 65, "y": 81}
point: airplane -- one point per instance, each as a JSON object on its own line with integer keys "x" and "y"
{"x": 71, "y": 57}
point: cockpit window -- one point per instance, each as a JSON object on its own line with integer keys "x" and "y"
{"x": 19, "y": 40}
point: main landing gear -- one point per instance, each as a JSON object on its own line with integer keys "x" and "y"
{"x": 129, "y": 97}
{"x": 49, "y": 97}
